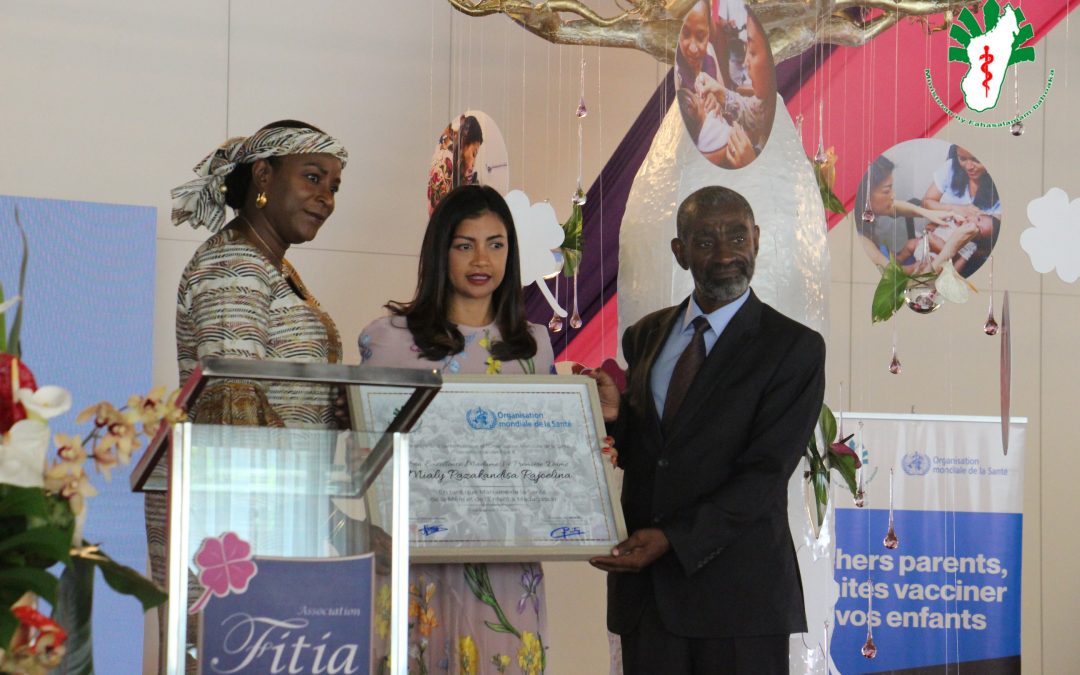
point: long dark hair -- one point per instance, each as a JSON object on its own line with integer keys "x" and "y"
{"x": 239, "y": 179}
{"x": 426, "y": 314}
{"x": 985, "y": 196}
{"x": 469, "y": 132}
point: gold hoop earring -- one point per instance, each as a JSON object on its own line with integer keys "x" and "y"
{"x": 260, "y": 200}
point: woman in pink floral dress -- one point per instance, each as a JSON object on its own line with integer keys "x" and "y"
{"x": 468, "y": 317}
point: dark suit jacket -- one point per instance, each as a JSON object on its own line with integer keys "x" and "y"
{"x": 717, "y": 486}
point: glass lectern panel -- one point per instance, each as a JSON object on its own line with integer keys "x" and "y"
{"x": 281, "y": 549}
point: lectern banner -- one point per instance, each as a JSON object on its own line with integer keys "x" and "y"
{"x": 949, "y": 592}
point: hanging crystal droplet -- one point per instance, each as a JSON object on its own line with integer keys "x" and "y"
{"x": 868, "y": 215}
{"x": 991, "y": 326}
{"x": 820, "y": 158}
{"x": 860, "y": 498}
{"x": 556, "y": 323}
{"x": 891, "y": 541}
{"x": 894, "y": 366}
{"x": 922, "y": 297}
{"x": 575, "y": 318}
{"x": 1017, "y": 129}
{"x": 582, "y": 111}
{"x": 869, "y": 649}
{"x": 579, "y": 196}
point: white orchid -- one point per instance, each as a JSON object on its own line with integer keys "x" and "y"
{"x": 22, "y": 454}
{"x": 950, "y": 286}
{"x": 45, "y": 403}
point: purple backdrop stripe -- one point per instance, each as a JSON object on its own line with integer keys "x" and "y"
{"x": 607, "y": 195}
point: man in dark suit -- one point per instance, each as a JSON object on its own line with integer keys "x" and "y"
{"x": 723, "y": 395}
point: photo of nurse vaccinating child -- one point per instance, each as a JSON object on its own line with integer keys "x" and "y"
{"x": 925, "y": 202}
{"x": 726, "y": 82}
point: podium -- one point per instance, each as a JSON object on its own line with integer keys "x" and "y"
{"x": 243, "y": 499}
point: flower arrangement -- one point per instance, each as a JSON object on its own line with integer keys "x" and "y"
{"x": 832, "y": 453}
{"x": 43, "y": 508}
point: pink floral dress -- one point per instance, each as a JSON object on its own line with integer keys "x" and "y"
{"x": 467, "y": 618}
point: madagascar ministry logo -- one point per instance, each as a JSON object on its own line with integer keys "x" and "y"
{"x": 989, "y": 50}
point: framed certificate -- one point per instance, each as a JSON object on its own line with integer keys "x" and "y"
{"x": 504, "y": 468}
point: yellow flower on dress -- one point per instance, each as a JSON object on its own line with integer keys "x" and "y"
{"x": 382, "y": 611}
{"x": 427, "y": 621}
{"x": 501, "y": 662}
{"x": 494, "y": 366}
{"x": 470, "y": 659}
{"x": 530, "y": 658}
{"x": 485, "y": 342}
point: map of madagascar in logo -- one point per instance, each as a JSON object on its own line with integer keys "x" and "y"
{"x": 989, "y": 51}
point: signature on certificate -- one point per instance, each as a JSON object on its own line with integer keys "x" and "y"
{"x": 428, "y": 530}
{"x": 566, "y": 532}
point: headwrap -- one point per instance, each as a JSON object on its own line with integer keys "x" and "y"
{"x": 201, "y": 202}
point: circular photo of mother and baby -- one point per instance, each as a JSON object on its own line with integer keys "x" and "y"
{"x": 470, "y": 151}
{"x": 925, "y": 202}
{"x": 725, "y": 81}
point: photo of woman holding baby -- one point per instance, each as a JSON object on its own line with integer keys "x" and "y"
{"x": 725, "y": 80}
{"x": 925, "y": 202}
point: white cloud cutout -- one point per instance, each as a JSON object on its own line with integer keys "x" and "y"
{"x": 539, "y": 232}
{"x": 1054, "y": 241}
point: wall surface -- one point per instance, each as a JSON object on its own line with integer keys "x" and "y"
{"x": 115, "y": 101}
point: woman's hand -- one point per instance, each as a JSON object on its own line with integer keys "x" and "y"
{"x": 607, "y": 447}
{"x": 740, "y": 151}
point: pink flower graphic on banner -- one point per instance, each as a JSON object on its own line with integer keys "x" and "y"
{"x": 225, "y": 566}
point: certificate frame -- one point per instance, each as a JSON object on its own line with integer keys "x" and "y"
{"x": 473, "y": 455}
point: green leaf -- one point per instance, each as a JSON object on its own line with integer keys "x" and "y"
{"x": 845, "y": 464}
{"x": 889, "y": 295}
{"x": 22, "y": 501}
{"x": 828, "y": 424}
{"x": 958, "y": 33}
{"x": 498, "y": 627}
{"x": 13, "y": 344}
{"x": 23, "y": 579}
{"x": 123, "y": 579}
{"x": 8, "y": 624}
{"x": 958, "y": 55}
{"x": 972, "y": 24}
{"x": 820, "y": 480}
{"x": 829, "y": 199}
{"x": 73, "y": 610}
{"x": 572, "y": 242}
{"x": 991, "y": 13}
{"x": 1022, "y": 54}
{"x": 52, "y": 544}
{"x": 571, "y": 262}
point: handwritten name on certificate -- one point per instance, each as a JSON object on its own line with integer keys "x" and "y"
{"x": 507, "y": 468}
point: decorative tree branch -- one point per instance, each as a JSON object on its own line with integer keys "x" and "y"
{"x": 652, "y": 26}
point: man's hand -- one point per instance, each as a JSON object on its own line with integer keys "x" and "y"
{"x": 608, "y": 392}
{"x": 642, "y": 549}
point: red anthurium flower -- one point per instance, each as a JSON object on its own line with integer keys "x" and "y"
{"x": 14, "y": 375}
{"x": 30, "y": 617}
{"x": 842, "y": 448}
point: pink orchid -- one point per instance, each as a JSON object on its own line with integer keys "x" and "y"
{"x": 225, "y": 566}
{"x": 842, "y": 448}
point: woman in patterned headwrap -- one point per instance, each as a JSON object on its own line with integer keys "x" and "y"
{"x": 240, "y": 298}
